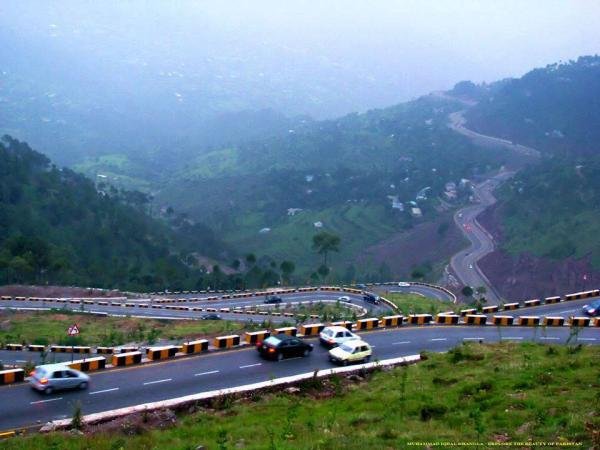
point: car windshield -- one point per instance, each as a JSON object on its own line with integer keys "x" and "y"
{"x": 272, "y": 340}
{"x": 327, "y": 332}
{"x": 346, "y": 348}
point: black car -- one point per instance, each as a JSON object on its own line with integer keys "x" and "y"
{"x": 273, "y": 299}
{"x": 370, "y": 298}
{"x": 211, "y": 317}
{"x": 283, "y": 346}
{"x": 593, "y": 309}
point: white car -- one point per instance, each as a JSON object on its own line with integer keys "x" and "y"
{"x": 403, "y": 284}
{"x": 57, "y": 377}
{"x": 351, "y": 352}
{"x": 336, "y": 335}
{"x": 344, "y": 298}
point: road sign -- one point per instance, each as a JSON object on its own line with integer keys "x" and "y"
{"x": 73, "y": 330}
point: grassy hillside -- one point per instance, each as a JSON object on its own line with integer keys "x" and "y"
{"x": 490, "y": 394}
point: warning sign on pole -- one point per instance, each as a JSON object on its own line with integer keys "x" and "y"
{"x": 73, "y": 330}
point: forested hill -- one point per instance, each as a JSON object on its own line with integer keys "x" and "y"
{"x": 55, "y": 227}
{"x": 555, "y": 109}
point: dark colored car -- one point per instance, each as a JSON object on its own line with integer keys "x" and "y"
{"x": 361, "y": 286}
{"x": 211, "y": 317}
{"x": 273, "y": 299}
{"x": 370, "y": 298}
{"x": 283, "y": 346}
{"x": 592, "y": 309}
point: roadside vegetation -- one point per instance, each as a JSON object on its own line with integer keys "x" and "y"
{"x": 496, "y": 394}
{"x": 417, "y": 304}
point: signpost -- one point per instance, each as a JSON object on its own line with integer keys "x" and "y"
{"x": 73, "y": 330}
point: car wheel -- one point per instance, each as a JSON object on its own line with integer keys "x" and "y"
{"x": 83, "y": 385}
{"x": 306, "y": 353}
{"x": 279, "y": 356}
{"x": 48, "y": 390}
{"x": 345, "y": 362}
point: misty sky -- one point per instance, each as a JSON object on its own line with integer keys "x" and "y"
{"x": 83, "y": 71}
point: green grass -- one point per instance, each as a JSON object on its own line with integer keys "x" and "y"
{"x": 50, "y": 327}
{"x": 417, "y": 304}
{"x": 475, "y": 393}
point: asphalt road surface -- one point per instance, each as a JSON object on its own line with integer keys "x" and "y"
{"x": 21, "y": 406}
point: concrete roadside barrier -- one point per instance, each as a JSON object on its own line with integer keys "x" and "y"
{"x": 530, "y": 303}
{"x": 36, "y": 348}
{"x": 12, "y": 376}
{"x": 596, "y": 322}
{"x": 192, "y": 347}
{"x": 584, "y": 294}
{"x": 290, "y": 331}
{"x": 254, "y": 337}
{"x": 367, "y": 324}
{"x": 226, "y": 341}
{"x": 105, "y": 350}
{"x": 392, "y": 321}
{"x": 419, "y": 319}
{"x": 475, "y": 319}
{"x": 553, "y": 321}
{"x": 464, "y": 312}
{"x": 528, "y": 321}
{"x": 504, "y": 321}
{"x": 14, "y": 347}
{"x": 311, "y": 329}
{"x": 70, "y": 349}
{"x": 126, "y": 359}
{"x": 489, "y": 309}
{"x": 551, "y": 300}
{"x": 447, "y": 319}
{"x": 348, "y": 324}
{"x": 165, "y": 352}
{"x": 579, "y": 321}
{"x": 89, "y": 364}
{"x": 510, "y": 306}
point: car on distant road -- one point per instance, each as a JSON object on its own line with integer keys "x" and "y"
{"x": 336, "y": 335}
{"x": 361, "y": 286}
{"x": 351, "y": 352}
{"x": 211, "y": 317}
{"x": 344, "y": 298}
{"x": 57, "y": 377}
{"x": 470, "y": 266}
{"x": 283, "y": 346}
{"x": 371, "y": 298}
{"x": 403, "y": 284}
{"x": 273, "y": 299}
{"x": 592, "y": 309}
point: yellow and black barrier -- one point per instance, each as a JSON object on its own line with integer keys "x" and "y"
{"x": 70, "y": 349}
{"x": 127, "y": 349}
{"x": 20, "y": 299}
{"x": 6, "y": 297}
{"x": 126, "y": 359}
{"x": 166, "y": 352}
{"x": 419, "y": 319}
{"x": 367, "y": 324}
{"x": 475, "y": 319}
{"x": 489, "y": 309}
{"x": 14, "y": 347}
{"x": 447, "y": 319}
{"x": 102, "y": 303}
{"x": 290, "y": 331}
{"x": 254, "y": 337}
{"x": 596, "y": 322}
{"x": 348, "y": 324}
{"x": 105, "y": 350}
{"x": 580, "y": 295}
{"x": 226, "y": 341}
{"x": 529, "y": 321}
{"x": 12, "y": 376}
{"x": 311, "y": 329}
{"x": 391, "y": 321}
{"x": 530, "y": 303}
{"x": 551, "y": 300}
{"x": 503, "y": 320}
{"x": 129, "y": 305}
{"x": 464, "y": 312}
{"x": 89, "y": 364}
{"x": 579, "y": 321}
{"x": 553, "y": 321}
{"x": 36, "y": 348}
{"x": 199, "y": 346}
{"x": 510, "y": 306}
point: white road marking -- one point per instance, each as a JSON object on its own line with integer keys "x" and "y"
{"x": 158, "y": 381}
{"x": 401, "y": 342}
{"x": 549, "y": 338}
{"x": 205, "y": 373}
{"x": 438, "y": 339}
{"x": 105, "y": 390}
{"x": 513, "y": 338}
{"x": 250, "y": 365}
{"x": 45, "y": 401}
{"x": 586, "y": 339}
{"x": 474, "y": 339}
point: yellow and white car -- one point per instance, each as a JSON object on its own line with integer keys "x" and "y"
{"x": 351, "y": 352}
